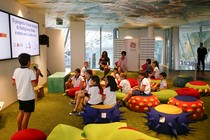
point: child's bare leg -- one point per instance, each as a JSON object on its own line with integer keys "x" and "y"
{"x": 19, "y": 120}
{"x": 79, "y": 98}
{"x": 26, "y": 118}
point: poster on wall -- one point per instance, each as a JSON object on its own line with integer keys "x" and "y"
{"x": 5, "y": 52}
{"x": 132, "y": 49}
{"x": 24, "y": 36}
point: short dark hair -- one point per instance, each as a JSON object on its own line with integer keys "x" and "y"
{"x": 148, "y": 60}
{"x": 24, "y": 58}
{"x": 123, "y": 52}
{"x": 163, "y": 74}
{"x": 143, "y": 73}
{"x": 77, "y": 70}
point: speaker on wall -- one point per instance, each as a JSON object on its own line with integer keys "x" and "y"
{"x": 44, "y": 40}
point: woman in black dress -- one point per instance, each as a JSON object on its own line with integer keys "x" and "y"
{"x": 104, "y": 63}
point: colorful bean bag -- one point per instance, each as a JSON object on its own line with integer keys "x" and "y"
{"x": 200, "y": 86}
{"x": 168, "y": 119}
{"x": 189, "y": 104}
{"x": 133, "y": 82}
{"x": 181, "y": 80}
{"x": 142, "y": 103}
{"x": 155, "y": 83}
{"x": 66, "y": 132}
{"x": 29, "y": 134}
{"x": 120, "y": 95}
{"x": 164, "y": 95}
{"x": 101, "y": 114}
{"x": 188, "y": 92}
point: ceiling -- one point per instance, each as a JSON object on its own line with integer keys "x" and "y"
{"x": 123, "y": 13}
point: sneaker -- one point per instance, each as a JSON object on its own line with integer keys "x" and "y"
{"x": 73, "y": 113}
{"x": 64, "y": 94}
{"x": 80, "y": 113}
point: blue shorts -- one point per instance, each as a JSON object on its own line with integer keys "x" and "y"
{"x": 27, "y": 106}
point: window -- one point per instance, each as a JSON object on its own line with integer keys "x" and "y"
{"x": 96, "y": 41}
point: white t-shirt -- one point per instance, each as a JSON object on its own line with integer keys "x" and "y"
{"x": 125, "y": 84}
{"x": 116, "y": 76}
{"x": 83, "y": 71}
{"x": 95, "y": 96}
{"x": 23, "y": 78}
{"x": 77, "y": 81}
{"x": 157, "y": 72}
{"x": 163, "y": 84}
{"x": 110, "y": 97}
{"x": 88, "y": 84}
{"x": 145, "y": 82}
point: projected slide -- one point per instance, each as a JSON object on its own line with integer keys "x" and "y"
{"x": 24, "y": 36}
{"x": 5, "y": 49}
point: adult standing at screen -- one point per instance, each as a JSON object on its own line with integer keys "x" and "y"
{"x": 104, "y": 63}
{"x": 201, "y": 52}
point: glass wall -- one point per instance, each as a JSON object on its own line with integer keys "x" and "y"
{"x": 189, "y": 41}
{"x": 96, "y": 41}
{"x": 67, "y": 48}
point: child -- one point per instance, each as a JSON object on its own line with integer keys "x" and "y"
{"x": 163, "y": 83}
{"x": 124, "y": 83}
{"x": 84, "y": 68}
{"x": 116, "y": 75}
{"x": 109, "y": 96}
{"x": 79, "y": 95}
{"x": 74, "y": 83}
{"x": 25, "y": 79}
{"x": 144, "y": 88}
{"x": 156, "y": 71}
{"x": 149, "y": 68}
{"x": 94, "y": 92}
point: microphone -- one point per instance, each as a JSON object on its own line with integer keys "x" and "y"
{"x": 36, "y": 70}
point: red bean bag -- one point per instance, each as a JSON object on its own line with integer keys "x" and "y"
{"x": 142, "y": 103}
{"x": 188, "y": 92}
{"x": 190, "y": 105}
{"x": 29, "y": 134}
{"x": 133, "y": 82}
{"x": 72, "y": 91}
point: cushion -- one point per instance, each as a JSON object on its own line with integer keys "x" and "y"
{"x": 120, "y": 95}
{"x": 188, "y": 92}
{"x": 164, "y": 95}
{"x": 29, "y": 134}
{"x": 101, "y": 131}
{"x": 126, "y": 133}
{"x": 201, "y": 86}
{"x": 66, "y": 132}
{"x": 133, "y": 82}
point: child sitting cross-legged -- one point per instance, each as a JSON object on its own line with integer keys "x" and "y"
{"x": 163, "y": 84}
{"x": 124, "y": 83}
{"x": 143, "y": 88}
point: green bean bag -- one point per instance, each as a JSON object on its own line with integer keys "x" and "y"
{"x": 120, "y": 95}
{"x": 164, "y": 95}
{"x": 66, "y": 132}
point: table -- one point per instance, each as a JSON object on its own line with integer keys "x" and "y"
{"x": 56, "y": 82}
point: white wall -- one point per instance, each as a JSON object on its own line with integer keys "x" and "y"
{"x": 55, "y": 51}
{"x": 7, "y": 91}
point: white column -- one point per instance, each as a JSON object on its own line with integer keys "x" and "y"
{"x": 175, "y": 47}
{"x": 77, "y": 44}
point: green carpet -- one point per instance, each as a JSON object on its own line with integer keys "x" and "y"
{"x": 54, "y": 108}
